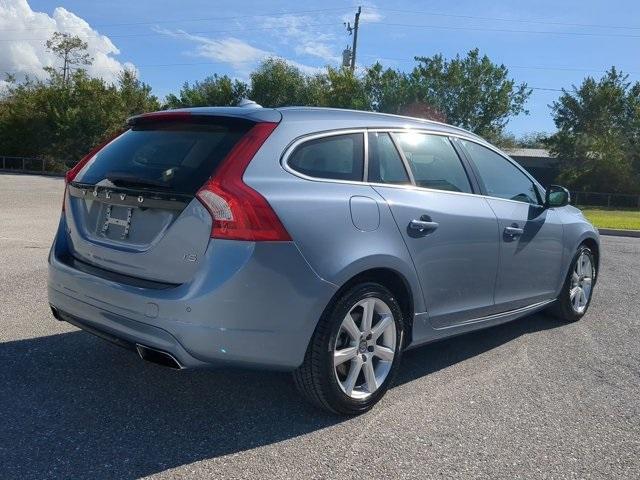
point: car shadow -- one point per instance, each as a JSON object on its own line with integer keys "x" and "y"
{"x": 74, "y": 406}
{"x": 436, "y": 356}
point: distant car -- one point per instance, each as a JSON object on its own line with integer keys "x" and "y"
{"x": 319, "y": 241}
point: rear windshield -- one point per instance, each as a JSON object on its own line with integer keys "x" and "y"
{"x": 175, "y": 157}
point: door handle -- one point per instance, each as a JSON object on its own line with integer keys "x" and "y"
{"x": 513, "y": 231}
{"x": 423, "y": 225}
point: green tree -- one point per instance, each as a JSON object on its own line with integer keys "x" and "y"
{"x": 215, "y": 90}
{"x": 67, "y": 114}
{"x": 135, "y": 96}
{"x": 472, "y": 92}
{"x": 276, "y": 83}
{"x": 71, "y": 50}
{"x": 21, "y": 118}
{"x": 528, "y": 140}
{"x": 533, "y": 140}
{"x": 62, "y": 121}
{"x": 388, "y": 90}
{"x": 341, "y": 88}
{"x": 63, "y": 117}
{"x": 598, "y": 135}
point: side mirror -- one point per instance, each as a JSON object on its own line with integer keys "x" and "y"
{"x": 557, "y": 196}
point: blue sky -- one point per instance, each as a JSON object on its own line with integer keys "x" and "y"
{"x": 173, "y": 42}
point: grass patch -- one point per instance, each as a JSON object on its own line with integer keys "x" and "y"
{"x": 618, "y": 219}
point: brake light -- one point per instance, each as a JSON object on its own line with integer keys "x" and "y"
{"x": 162, "y": 116}
{"x": 237, "y": 210}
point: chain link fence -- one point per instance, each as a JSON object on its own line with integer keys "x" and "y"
{"x": 605, "y": 200}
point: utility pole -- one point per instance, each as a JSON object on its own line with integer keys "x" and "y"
{"x": 355, "y": 38}
{"x": 353, "y": 31}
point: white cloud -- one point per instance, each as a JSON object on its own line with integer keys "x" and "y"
{"x": 231, "y": 50}
{"x": 241, "y": 55}
{"x": 24, "y": 33}
{"x": 308, "y": 69}
{"x": 303, "y": 35}
{"x": 370, "y": 14}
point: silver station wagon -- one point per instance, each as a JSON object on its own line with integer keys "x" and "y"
{"x": 318, "y": 241}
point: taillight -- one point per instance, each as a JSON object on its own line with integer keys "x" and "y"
{"x": 238, "y": 211}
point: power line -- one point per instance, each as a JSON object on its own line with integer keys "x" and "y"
{"x": 324, "y": 10}
{"x": 201, "y": 19}
{"x": 148, "y": 34}
{"x": 546, "y": 89}
{"x": 569, "y": 69}
{"x": 523, "y": 67}
{"x": 507, "y": 30}
{"x": 148, "y": 65}
{"x": 225, "y": 63}
{"x": 514, "y": 20}
{"x": 190, "y": 64}
{"x": 404, "y": 25}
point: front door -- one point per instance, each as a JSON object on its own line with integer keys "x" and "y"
{"x": 530, "y": 235}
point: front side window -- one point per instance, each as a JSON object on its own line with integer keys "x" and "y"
{"x": 434, "y": 162}
{"x": 501, "y": 179}
{"x": 338, "y": 157}
{"x": 385, "y": 163}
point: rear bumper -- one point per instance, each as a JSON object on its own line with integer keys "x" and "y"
{"x": 124, "y": 332}
{"x": 250, "y": 304}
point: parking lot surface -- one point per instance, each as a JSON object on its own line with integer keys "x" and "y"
{"x": 529, "y": 399}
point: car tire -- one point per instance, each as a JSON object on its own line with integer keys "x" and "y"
{"x": 347, "y": 371}
{"x": 571, "y": 306}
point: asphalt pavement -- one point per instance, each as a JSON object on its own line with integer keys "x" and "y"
{"x": 529, "y": 399}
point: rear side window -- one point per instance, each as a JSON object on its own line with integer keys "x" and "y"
{"x": 385, "y": 164}
{"x": 434, "y": 162}
{"x": 338, "y": 157}
{"x": 177, "y": 157}
{"x": 501, "y": 179}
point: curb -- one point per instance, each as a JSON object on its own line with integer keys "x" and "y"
{"x": 619, "y": 233}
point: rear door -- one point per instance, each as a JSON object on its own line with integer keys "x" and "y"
{"x": 450, "y": 232}
{"x": 131, "y": 208}
{"x": 530, "y": 235}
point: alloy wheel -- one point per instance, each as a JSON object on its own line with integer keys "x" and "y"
{"x": 365, "y": 348}
{"x": 581, "y": 283}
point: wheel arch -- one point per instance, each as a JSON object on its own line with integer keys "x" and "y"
{"x": 594, "y": 246}
{"x": 395, "y": 282}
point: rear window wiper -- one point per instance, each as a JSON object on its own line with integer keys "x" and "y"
{"x": 130, "y": 180}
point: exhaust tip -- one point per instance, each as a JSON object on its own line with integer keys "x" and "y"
{"x": 158, "y": 357}
{"x": 54, "y": 312}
